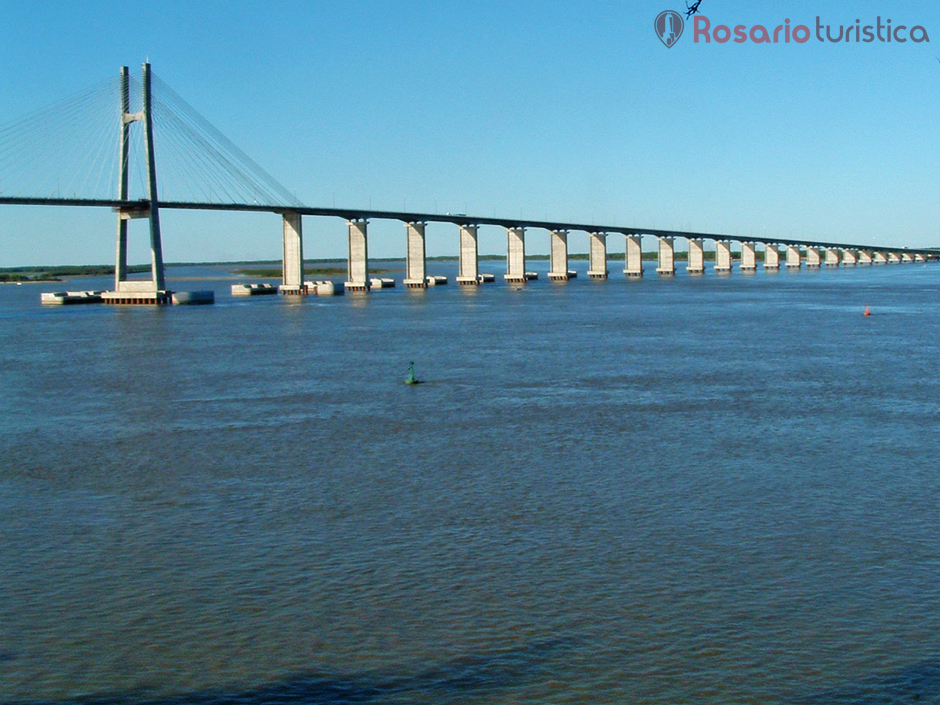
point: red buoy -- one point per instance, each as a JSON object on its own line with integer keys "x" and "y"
{"x": 867, "y": 312}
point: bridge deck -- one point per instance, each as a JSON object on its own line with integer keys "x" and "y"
{"x": 456, "y": 219}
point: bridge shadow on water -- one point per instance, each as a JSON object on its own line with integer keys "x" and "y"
{"x": 448, "y": 682}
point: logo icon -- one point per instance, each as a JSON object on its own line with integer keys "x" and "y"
{"x": 668, "y": 26}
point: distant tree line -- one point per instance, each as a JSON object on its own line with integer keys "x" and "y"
{"x": 57, "y": 273}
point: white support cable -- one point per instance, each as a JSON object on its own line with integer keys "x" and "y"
{"x": 92, "y": 160}
{"x": 195, "y": 171}
{"x": 101, "y": 157}
{"x": 222, "y": 172}
{"x": 245, "y": 166}
{"x": 43, "y": 153}
{"x": 71, "y": 149}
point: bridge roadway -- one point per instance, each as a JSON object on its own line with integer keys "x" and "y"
{"x": 851, "y": 253}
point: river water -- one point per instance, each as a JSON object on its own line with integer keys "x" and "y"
{"x": 696, "y": 490}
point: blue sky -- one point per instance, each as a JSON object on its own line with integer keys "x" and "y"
{"x": 557, "y": 110}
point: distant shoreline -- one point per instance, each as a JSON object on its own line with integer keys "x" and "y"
{"x": 36, "y": 274}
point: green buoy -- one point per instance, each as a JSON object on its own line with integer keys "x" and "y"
{"x": 411, "y": 379}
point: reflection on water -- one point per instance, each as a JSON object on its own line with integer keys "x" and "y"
{"x": 709, "y": 490}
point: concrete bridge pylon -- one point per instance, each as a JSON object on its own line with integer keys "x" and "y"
{"x": 138, "y": 290}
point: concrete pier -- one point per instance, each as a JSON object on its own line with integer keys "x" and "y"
{"x": 469, "y": 270}
{"x": 748, "y": 257}
{"x": 906, "y": 258}
{"x": 696, "y": 257}
{"x": 849, "y": 258}
{"x": 416, "y": 260}
{"x": 812, "y": 258}
{"x": 722, "y": 256}
{"x": 667, "y": 257}
{"x": 633, "y": 257}
{"x": 793, "y": 257}
{"x": 358, "y": 267}
{"x": 597, "y": 267}
{"x": 833, "y": 258}
{"x": 879, "y": 258}
{"x": 771, "y": 257}
{"x": 894, "y": 258}
{"x": 292, "y": 276}
{"x": 515, "y": 255}
{"x": 559, "y": 256}
{"x": 865, "y": 257}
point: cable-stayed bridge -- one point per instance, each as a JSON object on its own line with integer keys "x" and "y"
{"x": 102, "y": 148}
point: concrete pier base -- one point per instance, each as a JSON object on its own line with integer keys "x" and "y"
{"x": 193, "y": 298}
{"x": 849, "y": 258}
{"x": 879, "y": 258}
{"x": 597, "y": 267}
{"x": 137, "y": 298}
{"x": 324, "y": 287}
{"x": 67, "y": 298}
{"x": 144, "y": 297}
{"x": 253, "y": 289}
{"x": 468, "y": 273}
{"x": 137, "y": 292}
{"x": 833, "y": 258}
{"x": 696, "y": 257}
{"x": 633, "y": 257}
{"x": 865, "y": 258}
{"x": 667, "y": 257}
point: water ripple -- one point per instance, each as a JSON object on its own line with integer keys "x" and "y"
{"x": 478, "y": 675}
